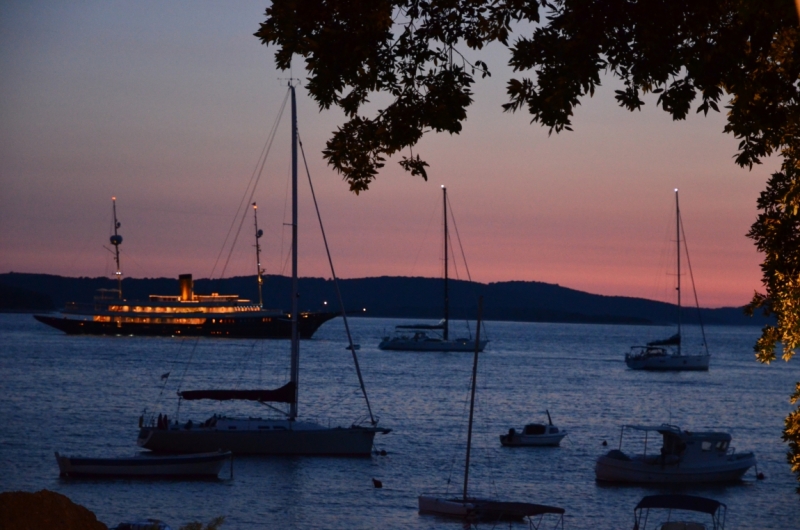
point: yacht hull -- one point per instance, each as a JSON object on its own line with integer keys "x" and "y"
{"x": 637, "y": 471}
{"x": 244, "y": 327}
{"x": 340, "y": 441}
{"x": 458, "y": 345}
{"x": 668, "y": 363}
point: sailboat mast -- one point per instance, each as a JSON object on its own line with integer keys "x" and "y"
{"x": 295, "y": 363}
{"x": 259, "y": 271}
{"x": 446, "y": 292}
{"x": 678, "y": 232}
{"x": 472, "y": 394}
{"x": 116, "y": 240}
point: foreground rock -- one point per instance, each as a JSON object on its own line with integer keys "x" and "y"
{"x": 21, "y": 510}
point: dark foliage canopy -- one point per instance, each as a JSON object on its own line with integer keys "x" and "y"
{"x": 741, "y": 55}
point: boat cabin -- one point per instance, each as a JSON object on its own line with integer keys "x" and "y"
{"x": 535, "y": 429}
{"x": 683, "y": 446}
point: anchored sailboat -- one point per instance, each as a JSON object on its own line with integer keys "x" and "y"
{"x": 432, "y": 337}
{"x": 475, "y": 509}
{"x": 285, "y": 436}
{"x": 666, "y": 354}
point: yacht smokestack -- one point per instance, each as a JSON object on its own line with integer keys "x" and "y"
{"x": 187, "y": 287}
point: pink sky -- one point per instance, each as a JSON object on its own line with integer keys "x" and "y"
{"x": 167, "y": 107}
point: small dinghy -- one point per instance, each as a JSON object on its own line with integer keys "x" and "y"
{"x": 191, "y": 465}
{"x": 534, "y": 435}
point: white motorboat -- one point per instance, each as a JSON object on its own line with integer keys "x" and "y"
{"x": 471, "y": 509}
{"x": 192, "y": 465}
{"x": 534, "y": 435}
{"x": 666, "y": 354}
{"x": 684, "y": 457}
{"x": 284, "y": 435}
{"x": 680, "y": 513}
{"x": 432, "y": 337}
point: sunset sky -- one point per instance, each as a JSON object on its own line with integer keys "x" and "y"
{"x": 167, "y": 105}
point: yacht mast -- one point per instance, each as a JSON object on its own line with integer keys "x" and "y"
{"x": 472, "y": 394}
{"x": 446, "y": 293}
{"x": 116, "y": 240}
{"x": 678, "y": 232}
{"x": 295, "y": 364}
{"x": 259, "y": 270}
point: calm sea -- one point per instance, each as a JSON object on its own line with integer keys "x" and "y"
{"x": 83, "y": 396}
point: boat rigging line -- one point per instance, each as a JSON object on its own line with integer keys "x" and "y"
{"x": 472, "y": 396}
{"x": 247, "y": 198}
{"x": 183, "y": 376}
{"x": 694, "y": 289}
{"x": 434, "y": 213}
{"x": 463, "y": 257}
{"x": 456, "y": 455}
{"x": 165, "y": 380}
{"x": 351, "y": 346}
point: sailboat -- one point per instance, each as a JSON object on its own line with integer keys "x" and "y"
{"x": 666, "y": 354}
{"x": 256, "y": 436}
{"x": 431, "y": 337}
{"x": 472, "y": 509}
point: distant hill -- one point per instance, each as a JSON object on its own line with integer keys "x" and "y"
{"x": 386, "y": 296}
{"x": 18, "y": 299}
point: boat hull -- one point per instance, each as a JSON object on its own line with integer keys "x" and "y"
{"x": 340, "y": 441}
{"x": 668, "y": 363}
{"x": 458, "y": 345}
{"x": 474, "y": 509}
{"x": 446, "y": 507}
{"x": 532, "y": 440}
{"x": 237, "y": 327}
{"x": 637, "y": 471}
{"x": 196, "y": 465}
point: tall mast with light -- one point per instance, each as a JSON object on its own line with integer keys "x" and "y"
{"x": 259, "y": 270}
{"x": 294, "y": 372}
{"x": 446, "y": 291}
{"x": 116, "y": 240}
{"x": 678, "y": 232}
